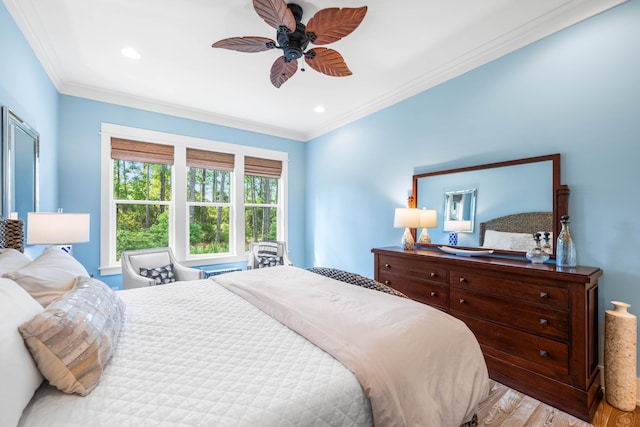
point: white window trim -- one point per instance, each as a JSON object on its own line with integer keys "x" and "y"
{"x": 178, "y": 230}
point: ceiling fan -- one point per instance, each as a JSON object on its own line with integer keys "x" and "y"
{"x": 293, "y": 37}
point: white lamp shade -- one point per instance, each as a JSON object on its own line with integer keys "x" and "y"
{"x": 457, "y": 226}
{"x": 428, "y": 218}
{"x": 50, "y": 228}
{"x": 406, "y": 218}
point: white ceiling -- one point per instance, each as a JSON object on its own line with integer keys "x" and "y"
{"x": 400, "y": 49}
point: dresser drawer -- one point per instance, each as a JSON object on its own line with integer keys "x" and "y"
{"x": 413, "y": 267}
{"x": 542, "y": 321}
{"x": 540, "y": 292}
{"x": 542, "y": 355}
{"x": 427, "y": 292}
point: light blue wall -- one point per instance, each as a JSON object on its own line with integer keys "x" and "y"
{"x": 576, "y": 93}
{"x": 79, "y": 172}
{"x": 26, "y": 89}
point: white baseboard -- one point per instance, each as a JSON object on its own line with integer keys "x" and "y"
{"x": 637, "y": 384}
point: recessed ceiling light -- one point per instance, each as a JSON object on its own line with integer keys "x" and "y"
{"x": 130, "y": 52}
{"x": 319, "y": 109}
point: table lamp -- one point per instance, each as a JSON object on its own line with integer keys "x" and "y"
{"x": 428, "y": 219}
{"x": 407, "y": 218}
{"x": 454, "y": 227}
{"x": 57, "y": 228}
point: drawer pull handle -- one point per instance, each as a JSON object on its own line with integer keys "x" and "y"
{"x": 544, "y": 295}
{"x": 386, "y": 282}
{"x": 543, "y": 322}
{"x": 543, "y": 353}
{"x": 462, "y": 280}
{"x": 462, "y": 301}
{"x": 433, "y": 274}
{"x": 387, "y": 266}
{"x": 434, "y": 294}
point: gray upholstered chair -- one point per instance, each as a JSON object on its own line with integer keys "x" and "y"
{"x": 268, "y": 254}
{"x": 156, "y": 258}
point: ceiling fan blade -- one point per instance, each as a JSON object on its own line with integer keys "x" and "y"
{"x": 327, "y": 61}
{"x": 246, "y": 44}
{"x": 332, "y": 24}
{"x": 281, "y": 71}
{"x": 275, "y": 13}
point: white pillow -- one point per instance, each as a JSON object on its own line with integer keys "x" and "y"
{"x": 508, "y": 241}
{"x": 49, "y": 276}
{"x": 12, "y": 260}
{"x": 19, "y": 375}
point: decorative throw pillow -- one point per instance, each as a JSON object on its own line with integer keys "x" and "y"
{"x": 268, "y": 248}
{"x": 269, "y": 261}
{"x": 48, "y": 276}
{"x": 72, "y": 340}
{"x": 160, "y": 275}
{"x": 19, "y": 375}
{"x": 12, "y": 260}
{"x": 508, "y": 241}
{"x": 355, "y": 279}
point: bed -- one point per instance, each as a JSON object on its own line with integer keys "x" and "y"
{"x": 515, "y": 232}
{"x": 271, "y": 347}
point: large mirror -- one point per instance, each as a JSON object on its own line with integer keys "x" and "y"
{"x": 20, "y": 163}
{"x": 506, "y": 203}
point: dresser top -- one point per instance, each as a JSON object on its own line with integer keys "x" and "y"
{"x": 579, "y": 273}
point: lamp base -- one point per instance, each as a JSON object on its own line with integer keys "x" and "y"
{"x": 407, "y": 241}
{"x": 453, "y": 239}
{"x": 424, "y": 236}
{"x": 66, "y": 248}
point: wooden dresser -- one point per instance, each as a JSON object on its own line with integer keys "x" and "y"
{"x": 537, "y": 326}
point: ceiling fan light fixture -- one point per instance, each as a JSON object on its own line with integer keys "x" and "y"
{"x": 131, "y": 53}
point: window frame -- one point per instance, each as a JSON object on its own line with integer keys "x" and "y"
{"x": 178, "y": 206}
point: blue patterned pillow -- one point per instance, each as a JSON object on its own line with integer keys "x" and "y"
{"x": 269, "y": 261}
{"x": 355, "y": 279}
{"x": 160, "y": 275}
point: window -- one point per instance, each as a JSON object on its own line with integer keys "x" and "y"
{"x": 141, "y": 193}
{"x": 208, "y": 188}
{"x": 261, "y": 199}
{"x": 205, "y": 199}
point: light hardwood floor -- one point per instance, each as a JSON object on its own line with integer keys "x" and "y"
{"x": 506, "y": 407}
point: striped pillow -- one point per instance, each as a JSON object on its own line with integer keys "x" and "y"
{"x": 74, "y": 337}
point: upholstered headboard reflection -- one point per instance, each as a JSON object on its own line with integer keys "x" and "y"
{"x": 12, "y": 234}
{"x": 527, "y": 222}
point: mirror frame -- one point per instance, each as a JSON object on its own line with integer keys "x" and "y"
{"x": 446, "y": 218}
{"x": 560, "y": 193}
{"x": 9, "y": 120}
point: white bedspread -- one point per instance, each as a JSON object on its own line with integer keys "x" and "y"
{"x": 195, "y": 354}
{"x": 419, "y": 366}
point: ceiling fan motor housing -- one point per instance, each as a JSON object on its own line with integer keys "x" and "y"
{"x": 294, "y": 43}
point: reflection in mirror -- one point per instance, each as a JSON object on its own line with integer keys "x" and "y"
{"x": 501, "y": 189}
{"x": 459, "y": 210}
{"x": 20, "y": 162}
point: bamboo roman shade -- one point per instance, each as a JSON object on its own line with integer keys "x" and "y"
{"x": 137, "y": 151}
{"x": 262, "y": 167}
{"x": 209, "y": 160}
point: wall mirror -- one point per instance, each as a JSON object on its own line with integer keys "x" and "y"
{"x": 20, "y": 163}
{"x": 519, "y": 197}
{"x": 459, "y": 210}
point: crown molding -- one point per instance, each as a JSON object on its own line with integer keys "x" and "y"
{"x": 565, "y": 15}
